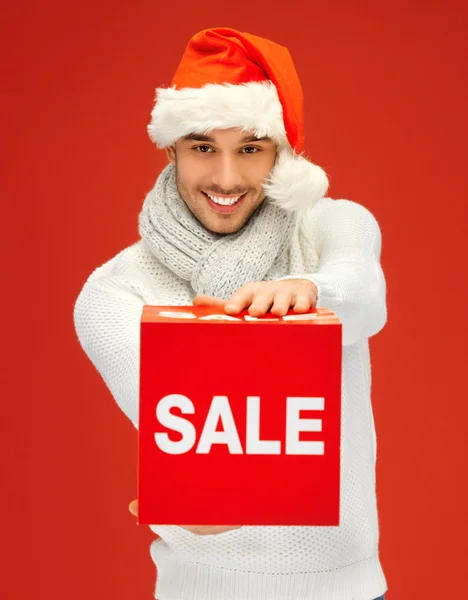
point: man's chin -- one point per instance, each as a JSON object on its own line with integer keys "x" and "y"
{"x": 224, "y": 229}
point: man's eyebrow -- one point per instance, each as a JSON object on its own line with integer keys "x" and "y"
{"x": 199, "y": 137}
{"x": 254, "y": 138}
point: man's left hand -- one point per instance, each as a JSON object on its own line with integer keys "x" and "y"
{"x": 274, "y": 296}
{"x": 198, "y": 529}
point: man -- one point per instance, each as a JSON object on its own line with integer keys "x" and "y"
{"x": 240, "y": 218}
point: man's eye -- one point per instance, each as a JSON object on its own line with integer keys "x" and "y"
{"x": 202, "y": 149}
{"x": 250, "y": 148}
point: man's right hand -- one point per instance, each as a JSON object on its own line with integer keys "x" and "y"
{"x": 198, "y": 529}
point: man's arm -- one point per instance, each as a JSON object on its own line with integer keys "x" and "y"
{"x": 349, "y": 280}
{"x": 107, "y": 322}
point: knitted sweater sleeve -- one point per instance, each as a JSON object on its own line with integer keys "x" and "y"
{"x": 107, "y": 319}
{"x": 349, "y": 280}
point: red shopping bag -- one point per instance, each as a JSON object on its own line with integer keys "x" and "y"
{"x": 239, "y": 418}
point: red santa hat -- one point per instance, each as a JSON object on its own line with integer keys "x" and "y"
{"x": 231, "y": 79}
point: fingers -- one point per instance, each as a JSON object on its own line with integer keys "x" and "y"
{"x": 261, "y": 303}
{"x": 133, "y": 507}
{"x": 301, "y": 299}
{"x": 209, "y": 529}
{"x": 208, "y": 300}
{"x": 261, "y": 297}
{"x": 282, "y": 303}
{"x": 240, "y": 299}
{"x": 303, "y": 303}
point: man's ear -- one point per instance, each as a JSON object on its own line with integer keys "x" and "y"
{"x": 171, "y": 154}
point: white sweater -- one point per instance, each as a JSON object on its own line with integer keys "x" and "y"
{"x": 336, "y": 244}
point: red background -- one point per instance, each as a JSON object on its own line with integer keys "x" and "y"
{"x": 386, "y": 96}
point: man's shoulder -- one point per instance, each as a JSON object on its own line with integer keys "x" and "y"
{"x": 334, "y": 210}
{"x": 126, "y": 263}
{"x": 327, "y": 205}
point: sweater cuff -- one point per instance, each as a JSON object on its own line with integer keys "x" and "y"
{"x": 362, "y": 311}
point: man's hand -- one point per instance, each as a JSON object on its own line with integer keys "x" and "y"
{"x": 198, "y": 529}
{"x": 274, "y": 296}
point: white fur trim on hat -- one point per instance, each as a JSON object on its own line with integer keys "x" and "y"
{"x": 294, "y": 182}
{"x": 252, "y": 106}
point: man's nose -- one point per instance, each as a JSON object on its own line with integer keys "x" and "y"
{"x": 226, "y": 175}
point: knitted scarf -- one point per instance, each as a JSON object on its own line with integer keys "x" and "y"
{"x": 215, "y": 265}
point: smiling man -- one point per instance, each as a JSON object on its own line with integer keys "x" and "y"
{"x": 239, "y": 218}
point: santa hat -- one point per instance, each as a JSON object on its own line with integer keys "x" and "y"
{"x": 231, "y": 79}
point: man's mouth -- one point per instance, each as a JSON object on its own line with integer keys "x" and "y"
{"x": 224, "y": 204}
{"x": 224, "y": 200}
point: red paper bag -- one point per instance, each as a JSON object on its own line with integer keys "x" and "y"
{"x": 239, "y": 419}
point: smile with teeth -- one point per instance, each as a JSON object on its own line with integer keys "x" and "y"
{"x": 224, "y": 201}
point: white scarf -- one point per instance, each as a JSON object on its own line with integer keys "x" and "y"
{"x": 215, "y": 265}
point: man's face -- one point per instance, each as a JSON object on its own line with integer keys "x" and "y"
{"x": 220, "y": 175}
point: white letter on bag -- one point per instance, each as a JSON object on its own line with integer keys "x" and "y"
{"x": 176, "y": 423}
{"x": 294, "y": 424}
{"x": 220, "y": 408}
{"x": 254, "y": 445}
